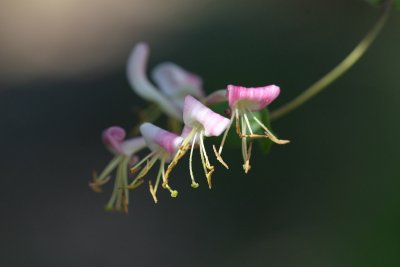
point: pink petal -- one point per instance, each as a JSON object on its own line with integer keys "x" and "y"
{"x": 157, "y": 138}
{"x": 196, "y": 114}
{"x": 186, "y": 131}
{"x": 113, "y": 137}
{"x": 176, "y": 83}
{"x": 254, "y": 98}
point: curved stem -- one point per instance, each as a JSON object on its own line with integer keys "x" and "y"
{"x": 339, "y": 70}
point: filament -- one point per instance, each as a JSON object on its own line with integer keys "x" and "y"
{"x": 179, "y": 154}
{"x": 194, "y": 184}
{"x": 247, "y": 122}
{"x": 225, "y": 134}
{"x": 153, "y": 191}
{"x": 267, "y": 131}
{"x": 110, "y": 167}
{"x": 137, "y": 165}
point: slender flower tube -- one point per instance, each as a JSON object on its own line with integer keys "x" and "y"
{"x": 163, "y": 146}
{"x": 176, "y": 83}
{"x": 200, "y": 122}
{"x": 124, "y": 151}
{"x": 243, "y": 102}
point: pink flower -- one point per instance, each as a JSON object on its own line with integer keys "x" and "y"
{"x": 200, "y": 122}
{"x": 124, "y": 154}
{"x": 252, "y": 98}
{"x": 163, "y": 146}
{"x": 243, "y": 102}
{"x": 176, "y": 83}
{"x": 173, "y": 81}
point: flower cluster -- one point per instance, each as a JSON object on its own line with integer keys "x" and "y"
{"x": 179, "y": 94}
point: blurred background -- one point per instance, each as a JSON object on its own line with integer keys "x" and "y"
{"x": 330, "y": 198}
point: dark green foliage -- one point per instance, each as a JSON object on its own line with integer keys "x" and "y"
{"x": 380, "y": 2}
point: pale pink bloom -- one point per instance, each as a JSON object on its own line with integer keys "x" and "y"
{"x": 173, "y": 81}
{"x": 200, "y": 122}
{"x": 124, "y": 151}
{"x": 163, "y": 145}
{"x": 176, "y": 83}
{"x": 243, "y": 102}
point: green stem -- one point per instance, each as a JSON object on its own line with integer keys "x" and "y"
{"x": 339, "y": 70}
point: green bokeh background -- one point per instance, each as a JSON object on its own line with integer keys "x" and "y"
{"x": 329, "y": 198}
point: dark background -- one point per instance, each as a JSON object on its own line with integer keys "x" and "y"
{"x": 329, "y": 198}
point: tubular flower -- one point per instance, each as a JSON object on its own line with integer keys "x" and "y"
{"x": 243, "y": 102}
{"x": 174, "y": 82}
{"x": 163, "y": 146}
{"x": 124, "y": 151}
{"x": 200, "y": 122}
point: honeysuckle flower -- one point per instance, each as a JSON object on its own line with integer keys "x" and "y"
{"x": 163, "y": 145}
{"x": 243, "y": 102}
{"x": 124, "y": 154}
{"x": 176, "y": 83}
{"x": 200, "y": 122}
{"x": 173, "y": 81}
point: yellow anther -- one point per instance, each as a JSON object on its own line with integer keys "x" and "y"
{"x": 174, "y": 193}
{"x": 152, "y": 192}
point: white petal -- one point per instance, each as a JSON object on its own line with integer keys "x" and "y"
{"x": 195, "y": 114}
{"x": 133, "y": 145}
{"x": 136, "y": 71}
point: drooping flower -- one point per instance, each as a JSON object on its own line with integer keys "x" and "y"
{"x": 200, "y": 122}
{"x": 124, "y": 154}
{"x": 163, "y": 146}
{"x": 243, "y": 102}
{"x": 173, "y": 81}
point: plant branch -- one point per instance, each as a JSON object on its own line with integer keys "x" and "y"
{"x": 339, "y": 70}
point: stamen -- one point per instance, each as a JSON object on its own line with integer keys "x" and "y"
{"x": 96, "y": 184}
{"x": 246, "y": 164}
{"x": 179, "y": 154}
{"x": 115, "y": 201}
{"x": 118, "y": 204}
{"x": 225, "y": 134}
{"x": 203, "y": 161}
{"x": 137, "y": 166}
{"x": 104, "y": 177}
{"x": 165, "y": 185}
{"x": 125, "y": 193}
{"x": 247, "y": 122}
{"x": 143, "y": 172}
{"x": 268, "y": 133}
{"x": 153, "y": 191}
{"x": 219, "y": 158}
{"x": 208, "y": 168}
{"x": 194, "y": 184}
{"x": 204, "y": 150}
{"x": 237, "y": 123}
{"x": 218, "y": 154}
{"x": 135, "y": 185}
